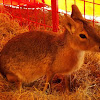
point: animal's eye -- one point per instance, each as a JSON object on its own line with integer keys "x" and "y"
{"x": 83, "y": 36}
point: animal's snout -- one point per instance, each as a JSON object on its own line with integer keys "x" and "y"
{"x": 99, "y": 48}
{"x": 95, "y": 48}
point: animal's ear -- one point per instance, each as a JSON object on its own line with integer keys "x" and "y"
{"x": 76, "y": 13}
{"x": 69, "y": 24}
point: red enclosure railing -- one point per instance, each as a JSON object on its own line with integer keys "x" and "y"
{"x": 29, "y": 11}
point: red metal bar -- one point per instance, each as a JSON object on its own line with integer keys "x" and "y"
{"x": 55, "y": 21}
{"x": 20, "y": 11}
{"x": 91, "y": 2}
{"x": 28, "y": 15}
{"x": 74, "y": 1}
{"x": 66, "y": 6}
{"x": 35, "y": 11}
{"x": 11, "y": 2}
{"x": 44, "y": 14}
{"x": 93, "y": 11}
{"x": 84, "y": 8}
{"x": 3, "y": 2}
{"x": 20, "y": 18}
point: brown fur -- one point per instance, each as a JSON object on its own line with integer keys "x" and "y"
{"x": 31, "y": 55}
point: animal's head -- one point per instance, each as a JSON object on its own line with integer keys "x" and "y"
{"x": 82, "y": 34}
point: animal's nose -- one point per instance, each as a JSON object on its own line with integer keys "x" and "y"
{"x": 99, "y": 48}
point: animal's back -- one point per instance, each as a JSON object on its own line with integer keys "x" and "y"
{"x": 28, "y": 55}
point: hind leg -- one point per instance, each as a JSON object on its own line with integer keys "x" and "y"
{"x": 13, "y": 78}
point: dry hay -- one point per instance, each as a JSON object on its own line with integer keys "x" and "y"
{"x": 9, "y": 28}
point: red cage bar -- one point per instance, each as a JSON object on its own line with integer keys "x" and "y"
{"x": 54, "y": 6}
